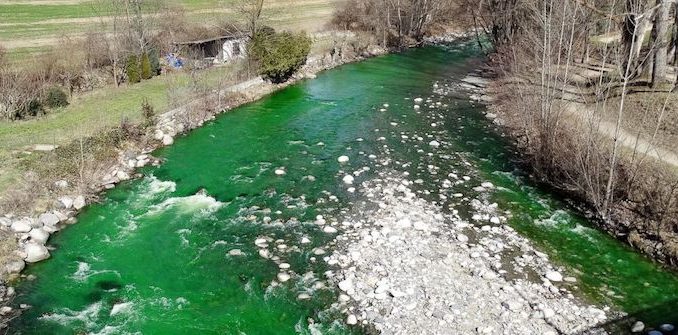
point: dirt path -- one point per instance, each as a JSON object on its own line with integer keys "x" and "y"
{"x": 627, "y": 139}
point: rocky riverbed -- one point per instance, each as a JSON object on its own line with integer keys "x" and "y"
{"x": 407, "y": 267}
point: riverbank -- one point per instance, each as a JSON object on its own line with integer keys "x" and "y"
{"x": 633, "y": 217}
{"x": 26, "y": 234}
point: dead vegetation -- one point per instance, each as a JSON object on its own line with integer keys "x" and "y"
{"x": 592, "y": 119}
{"x": 396, "y": 24}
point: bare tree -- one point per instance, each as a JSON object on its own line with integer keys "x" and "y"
{"x": 250, "y": 11}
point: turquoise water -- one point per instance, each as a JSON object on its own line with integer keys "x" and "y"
{"x": 156, "y": 256}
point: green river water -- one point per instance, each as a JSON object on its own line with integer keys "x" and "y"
{"x": 153, "y": 256}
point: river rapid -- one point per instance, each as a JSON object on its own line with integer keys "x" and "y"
{"x": 230, "y": 234}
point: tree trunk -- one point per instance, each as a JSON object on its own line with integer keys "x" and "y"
{"x": 659, "y": 67}
{"x": 631, "y": 30}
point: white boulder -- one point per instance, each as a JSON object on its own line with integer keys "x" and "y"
{"x": 554, "y": 276}
{"x": 79, "y": 202}
{"x": 283, "y": 277}
{"x": 66, "y": 202}
{"x": 343, "y": 159}
{"x": 15, "y": 266}
{"x": 167, "y": 140}
{"x": 39, "y": 235}
{"x": 21, "y": 226}
{"x": 35, "y": 252}
{"x": 48, "y": 219}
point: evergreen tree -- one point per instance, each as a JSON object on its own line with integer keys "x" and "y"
{"x": 145, "y": 67}
{"x": 132, "y": 68}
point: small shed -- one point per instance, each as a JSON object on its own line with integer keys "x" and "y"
{"x": 220, "y": 49}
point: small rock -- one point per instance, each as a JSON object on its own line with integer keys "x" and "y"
{"x": 330, "y": 230}
{"x": 513, "y": 306}
{"x": 346, "y": 285}
{"x": 343, "y": 159}
{"x": 434, "y": 143}
{"x": 462, "y": 238}
{"x": 167, "y": 140}
{"x": 667, "y": 328}
{"x": 351, "y": 320}
{"x": 348, "y": 179}
{"x": 283, "y": 277}
{"x": 62, "y": 184}
{"x": 638, "y": 327}
{"x": 554, "y": 276}
{"x": 280, "y": 172}
{"x": 235, "y": 252}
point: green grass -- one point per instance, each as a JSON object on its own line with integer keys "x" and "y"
{"x": 92, "y": 113}
{"x": 27, "y": 13}
{"x": 98, "y": 110}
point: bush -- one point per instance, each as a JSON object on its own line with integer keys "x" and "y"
{"x": 279, "y": 55}
{"x": 32, "y": 108}
{"x": 132, "y": 69}
{"x": 154, "y": 58}
{"x": 148, "y": 113}
{"x": 56, "y": 97}
{"x": 145, "y": 67}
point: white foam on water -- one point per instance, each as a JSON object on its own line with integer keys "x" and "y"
{"x": 87, "y": 316}
{"x": 197, "y": 203}
{"x": 556, "y": 218}
{"x": 122, "y": 308}
{"x": 238, "y": 178}
{"x": 169, "y": 303}
{"x": 108, "y": 330}
{"x": 182, "y": 235}
{"x": 156, "y": 185}
{"x": 84, "y": 271}
{"x": 584, "y": 231}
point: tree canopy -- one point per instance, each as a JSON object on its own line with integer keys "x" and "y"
{"x": 279, "y": 54}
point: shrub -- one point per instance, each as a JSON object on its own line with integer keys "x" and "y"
{"x": 148, "y": 113}
{"x": 132, "y": 69}
{"x": 145, "y": 67}
{"x": 32, "y": 108}
{"x": 56, "y": 97}
{"x": 279, "y": 55}
{"x": 154, "y": 58}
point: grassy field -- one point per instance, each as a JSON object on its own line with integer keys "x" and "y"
{"x": 32, "y": 27}
{"x": 29, "y": 27}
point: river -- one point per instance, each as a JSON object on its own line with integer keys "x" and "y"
{"x": 174, "y": 252}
